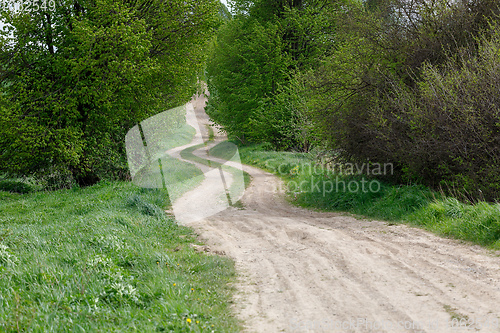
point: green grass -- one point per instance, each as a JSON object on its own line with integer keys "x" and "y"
{"x": 178, "y": 175}
{"x": 181, "y": 136}
{"x": 309, "y": 185}
{"x": 15, "y": 185}
{"x": 211, "y": 133}
{"x": 479, "y": 223}
{"x": 224, "y": 150}
{"x": 227, "y": 152}
{"x": 106, "y": 258}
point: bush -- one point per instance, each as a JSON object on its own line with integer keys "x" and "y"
{"x": 422, "y": 96}
{"x": 453, "y": 122}
{"x": 14, "y": 186}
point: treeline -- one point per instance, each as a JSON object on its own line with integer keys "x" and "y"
{"x": 253, "y": 66}
{"x": 76, "y": 77}
{"x": 413, "y": 83}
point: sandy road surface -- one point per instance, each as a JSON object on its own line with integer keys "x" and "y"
{"x": 304, "y": 271}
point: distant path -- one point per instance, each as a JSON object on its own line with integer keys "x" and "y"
{"x": 301, "y": 269}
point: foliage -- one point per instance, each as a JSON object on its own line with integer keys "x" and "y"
{"x": 255, "y": 94}
{"x": 284, "y": 121}
{"x": 76, "y": 78}
{"x": 246, "y": 67}
{"x": 454, "y": 122}
{"x": 411, "y": 83}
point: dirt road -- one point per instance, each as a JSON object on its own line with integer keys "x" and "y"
{"x": 304, "y": 271}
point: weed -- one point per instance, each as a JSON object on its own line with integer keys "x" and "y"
{"x": 453, "y": 314}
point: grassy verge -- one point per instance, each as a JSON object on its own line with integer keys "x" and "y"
{"x": 178, "y": 175}
{"x": 310, "y": 185}
{"x": 164, "y": 170}
{"x": 227, "y": 152}
{"x": 106, "y": 258}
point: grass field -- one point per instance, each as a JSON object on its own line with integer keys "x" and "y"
{"x": 106, "y": 258}
{"x": 309, "y": 185}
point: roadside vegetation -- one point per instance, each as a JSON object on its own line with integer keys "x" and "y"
{"x": 310, "y": 184}
{"x": 106, "y": 258}
{"x": 412, "y": 83}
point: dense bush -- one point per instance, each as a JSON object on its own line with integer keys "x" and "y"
{"x": 454, "y": 119}
{"x": 414, "y": 83}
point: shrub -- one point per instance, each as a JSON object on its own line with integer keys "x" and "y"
{"x": 418, "y": 91}
{"x": 14, "y": 186}
{"x": 452, "y": 118}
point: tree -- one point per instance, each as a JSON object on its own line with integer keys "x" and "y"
{"x": 246, "y": 68}
{"x": 254, "y": 61}
{"x": 76, "y": 77}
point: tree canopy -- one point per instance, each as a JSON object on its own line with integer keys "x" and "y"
{"x": 253, "y": 67}
{"x": 75, "y": 78}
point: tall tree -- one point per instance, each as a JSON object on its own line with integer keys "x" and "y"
{"x": 76, "y": 76}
